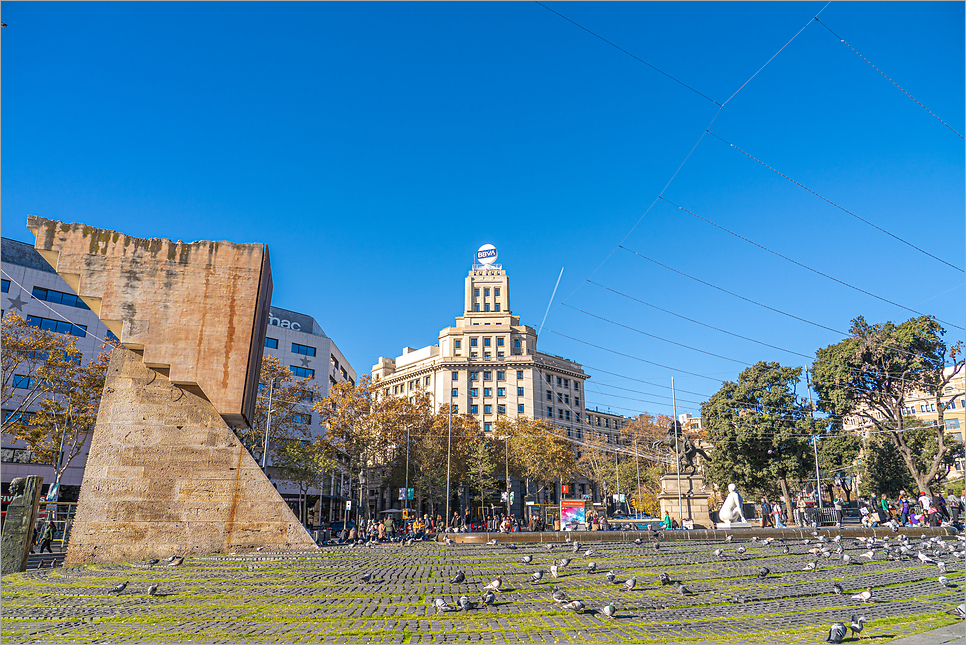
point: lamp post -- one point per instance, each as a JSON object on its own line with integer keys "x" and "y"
{"x": 268, "y": 424}
{"x": 362, "y": 494}
{"x": 449, "y": 454}
{"x": 408, "y": 428}
{"x": 677, "y": 451}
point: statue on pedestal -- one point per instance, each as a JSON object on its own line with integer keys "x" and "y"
{"x": 18, "y": 526}
{"x": 731, "y": 510}
{"x": 679, "y": 442}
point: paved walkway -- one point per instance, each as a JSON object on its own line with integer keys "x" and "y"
{"x": 320, "y": 596}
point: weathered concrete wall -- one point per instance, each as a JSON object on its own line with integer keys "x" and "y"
{"x": 198, "y": 311}
{"x": 166, "y": 476}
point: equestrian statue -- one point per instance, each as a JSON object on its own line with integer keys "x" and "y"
{"x": 679, "y": 442}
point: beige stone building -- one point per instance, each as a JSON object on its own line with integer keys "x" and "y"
{"x": 487, "y": 365}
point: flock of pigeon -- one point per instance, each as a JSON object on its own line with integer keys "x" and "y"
{"x": 173, "y": 561}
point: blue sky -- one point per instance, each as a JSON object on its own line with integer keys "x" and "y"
{"x": 375, "y": 146}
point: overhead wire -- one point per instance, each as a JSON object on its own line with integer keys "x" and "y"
{"x": 841, "y": 208}
{"x": 804, "y": 266}
{"x": 842, "y": 40}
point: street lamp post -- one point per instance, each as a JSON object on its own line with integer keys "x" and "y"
{"x": 449, "y": 455}
{"x": 637, "y": 460}
{"x": 268, "y": 424}
{"x": 406, "y": 496}
{"x": 677, "y": 451}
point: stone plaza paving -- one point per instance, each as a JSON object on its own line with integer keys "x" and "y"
{"x": 319, "y": 596}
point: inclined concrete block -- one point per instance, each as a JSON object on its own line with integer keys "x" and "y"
{"x": 155, "y": 487}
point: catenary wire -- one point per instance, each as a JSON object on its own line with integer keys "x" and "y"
{"x": 842, "y": 40}
{"x": 804, "y": 266}
{"x": 618, "y": 47}
{"x": 844, "y": 210}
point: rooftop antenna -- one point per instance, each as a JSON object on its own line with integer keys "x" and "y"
{"x": 551, "y": 301}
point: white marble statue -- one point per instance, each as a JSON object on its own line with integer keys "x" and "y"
{"x": 731, "y": 510}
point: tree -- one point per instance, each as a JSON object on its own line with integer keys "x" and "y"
{"x": 481, "y": 464}
{"x": 759, "y": 431}
{"x": 870, "y": 374}
{"x": 535, "y": 450}
{"x": 882, "y": 469}
{"x": 437, "y": 453}
{"x": 44, "y": 370}
{"x": 837, "y": 454}
{"x": 304, "y": 463}
{"x": 291, "y": 399}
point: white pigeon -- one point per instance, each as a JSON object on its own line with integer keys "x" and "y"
{"x": 944, "y": 581}
{"x": 553, "y": 570}
{"x": 589, "y": 553}
{"x": 630, "y": 583}
{"x": 925, "y": 558}
{"x": 809, "y": 566}
{"x": 591, "y": 567}
{"x": 941, "y": 566}
{"x": 865, "y": 596}
{"x": 495, "y": 585}
{"x": 868, "y": 554}
{"x": 718, "y": 552}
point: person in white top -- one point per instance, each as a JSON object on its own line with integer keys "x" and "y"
{"x": 925, "y": 502}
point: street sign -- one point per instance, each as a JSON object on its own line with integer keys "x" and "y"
{"x": 348, "y": 505}
{"x": 402, "y": 493}
{"x": 411, "y": 494}
{"x": 623, "y": 498}
{"x": 405, "y": 514}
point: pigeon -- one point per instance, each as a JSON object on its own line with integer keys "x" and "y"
{"x": 657, "y": 546}
{"x": 865, "y": 596}
{"x": 537, "y": 576}
{"x": 638, "y": 541}
{"x": 172, "y": 558}
{"x": 630, "y": 583}
{"x": 554, "y": 570}
{"x": 495, "y": 585}
{"x": 441, "y": 605}
{"x": 610, "y": 577}
{"x": 809, "y": 566}
{"x": 153, "y": 590}
{"x": 458, "y": 578}
{"x": 608, "y": 610}
{"x": 681, "y": 589}
{"x": 959, "y": 612}
{"x": 591, "y": 567}
{"x": 836, "y": 633}
{"x": 941, "y": 566}
{"x": 564, "y": 562}
{"x": 509, "y": 546}
{"x": 175, "y": 562}
{"x": 754, "y": 538}
{"x": 944, "y": 581}
{"x": 259, "y": 548}
{"x": 527, "y": 559}
{"x": 718, "y": 552}
{"x": 559, "y": 597}
{"x": 729, "y": 539}
{"x": 741, "y": 549}
{"x": 489, "y": 598}
{"x": 153, "y": 561}
{"x": 119, "y": 588}
{"x": 449, "y": 541}
{"x": 837, "y": 539}
{"x": 573, "y": 605}
{"x": 925, "y": 558}
{"x": 785, "y": 550}
{"x": 768, "y": 540}
{"x": 589, "y": 553}
{"x": 464, "y": 603}
{"x": 846, "y": 558}
{"x": 576, "y": 548}
{"x": 549, "y": 547}
{"x": 665, "y": 579}
{"x": 837, "y": 588}
{"x": 367, "y": 578}
{"x": 763, "y": 573}
{"x": 492, "y": 542}
{"x": 856, "y": 625}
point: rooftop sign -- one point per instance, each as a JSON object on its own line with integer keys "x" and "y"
{"x": 486, "y": 254}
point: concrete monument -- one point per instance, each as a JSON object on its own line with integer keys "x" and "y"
{"x": 166, "y": 474}
{"x": 731, "y": 514}
{"x": 18, "y": 527}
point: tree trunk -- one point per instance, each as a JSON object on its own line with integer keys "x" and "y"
{"x": 788, "y": 498}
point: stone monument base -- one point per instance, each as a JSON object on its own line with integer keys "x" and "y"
{"x": 166, "y": 476}
{"x": 734, "y": 525}
{"x": 694, "y": 502}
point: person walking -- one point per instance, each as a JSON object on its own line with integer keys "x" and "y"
{"x": 941, "y": 506}
{"x": 47, "y": 536}
{"x": 668, "y": 524}
{"x": 955, "y": 505}
{"x": 884, "y": 513}
{"x": 391, "y": 527}
{"x": 776, "y": 511}
{"x": 765, "y": 513}
{"x": 837, "y": 505}
{"x": 903, "y": 508}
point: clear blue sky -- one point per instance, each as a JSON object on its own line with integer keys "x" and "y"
{"x": 374, "y": 147}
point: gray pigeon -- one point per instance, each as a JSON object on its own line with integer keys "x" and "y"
{"x": 560, "y": 597}
{"x": 527, "y": 559}
{"x": 856, "y": 625}
{"x": 367, "y": 578}
{"x": 573, "y": 605}
{"x": 837, "y": 588}
{"x": 681, "y": 589}
{"x": 630, "y": 583}
{"x": 665, "y": 579}
{"x": 153, "y": 561}
{"x": 175, "y": 562}
{"x": 741, "y": 549}
{"x": 729, "y": 538}
{"x": 610, "y": 577}
{"x": 763, "y": 573}
{"x": 836, "y": 633}
{"x": 608, "y": 610}
{"x": 575, "y": 549}
{"x": 119, "y": 588}
{"x": 441, "y": 605}
{"x": 458, "y": 578}
{"x": 564, "y": 562}
{"x": 809, "y": 566}
{"x": 465, "y": 603}
{"x": 718, "y": 552}
{"x": 785, "y": 550}
{"x": 591, "y": 567}
{"x": 959, "y": 611}
{"x": 489, "y": 598}
{"x": 944, "y": 581}
{"x": 537, "y": 576}
{"x": 153, "y": 590}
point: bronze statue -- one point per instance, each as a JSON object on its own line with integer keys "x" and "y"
{"x": 685, "y": 449}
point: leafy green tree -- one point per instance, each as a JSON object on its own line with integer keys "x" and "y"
{"x": 882, "y": 469}
{"x": 759, "y": 431}
{"x": 837, "y": 454}
{"x": 870, "y": 374}
{"x": 304, "y": 463}
{"x": 481, "y": 465}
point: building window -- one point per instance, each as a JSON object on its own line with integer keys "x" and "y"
{"x": 474, "y": 391}
{"x": 474, "y": 409}
{"x": 606, "y": 423}
{"x": 456, "y": 409}
{"x": 476, "y": 306}
{"x": 520, "y": 408}
{"x": 549, "y": 395}
{"x": 58, "y": 326}
{"x": 488, "y": 391}
{"x": 516, "y": 343}
{"x": 519, "y": 391}
{"x": 305, "y": 350}
{"x": 454, "y": 392}
{"x": 425, "y": 380}
{"x": 567, "y": 415}
{"x": 577, "y": 418}
{"x": 496, "y": 292}
{"x": 567, "y": 399}
{"x": 496, "y": 307}
{"x": 559, "y": 397}
{"x": 577, "y": 401}
{"x": 302, "y": 371}
{"x": 458, "y": 344}
{"x": 456, "y": 376}
{"x": 487, "y": 375}
{"x": 486, "y": 306}
{"x": 302, "y": 418}
{"x": 499, "y": 341}
{"x": 500, "y": 375}
{"x": 559, "y": 381}
{"x": 486, "y": 291}
{"x": 487, "y": 427}
{"x": 473, "y": 342}
{"x": 474, "y": 376}
{"x": 549, "y": 380}
{"x": 501, "y": 409}
{"x": 487, "y": 409}
{"x": 519, "y": 374}
{"x": 271, "y": 343}
{"x": 501, "y": 391}
{"x": 23, "y": 382}
{"x": 549, "y": 412}
{"x": 59, "y": 297}
{"x": 486, "y": 342}
{"x": 576, "y": 385}
{"x": 476, "y": 292}
{"x": 5, "y": 286}
{"x": 560, "y": 414}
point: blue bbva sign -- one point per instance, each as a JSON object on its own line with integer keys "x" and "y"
{"x": 486, "y": 254}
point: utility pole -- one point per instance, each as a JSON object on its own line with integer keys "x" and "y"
{"x": 677, "y": 452}
{"x": 449, "y": 454}
{"x": 268, "y": 424}
{"x": 637, "y": 460}
{"x": 506, "y": 445}
{"x": 406, "y": 496}
{"x": 617, "y": 470}
{"x": 811, "y": 421}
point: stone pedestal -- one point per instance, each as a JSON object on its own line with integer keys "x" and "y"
{"x": 734, "y": 525}
{"x": 18, "y": 527}
{"x": 694, "y": 501}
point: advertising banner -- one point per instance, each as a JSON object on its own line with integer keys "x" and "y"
{"x": 571, "y": 512}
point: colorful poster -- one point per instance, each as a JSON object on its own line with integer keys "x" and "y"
{"x": 571, "y": 513}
